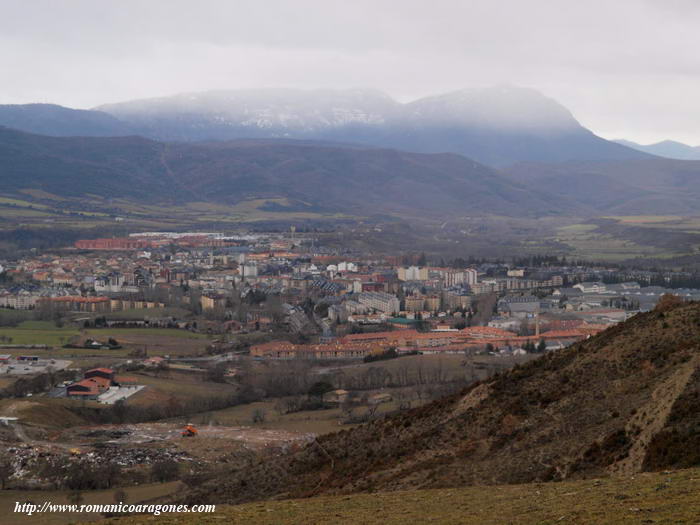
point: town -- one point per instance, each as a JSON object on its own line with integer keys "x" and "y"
{"x": 315, "y": 302}
{"x": 265, "y": 340}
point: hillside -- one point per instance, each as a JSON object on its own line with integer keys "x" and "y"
{"x": 622, "y": 402}
{"x": 311, "y": 176}
{"x": 59, "y": 121}
{"x": 633, "y": 187}
{"x": 649, "y": 498}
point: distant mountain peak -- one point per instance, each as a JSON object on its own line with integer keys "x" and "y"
{"x": 503, "y": 106}
{"x": 666, "y": 148}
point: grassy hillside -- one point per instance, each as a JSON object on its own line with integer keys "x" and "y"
{"x": 311, "y": 178}
{"x": 652, "y": 186}
{"x": 646, "y": 498}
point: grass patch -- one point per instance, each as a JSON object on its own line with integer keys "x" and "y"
{"x": 162, "y": 332}
{"x": 38, "y": 333}
{"x": 182, "y": 386}
{"x": 645, "y": 498}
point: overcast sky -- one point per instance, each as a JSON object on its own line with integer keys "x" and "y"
{"x": 625, "y": 68}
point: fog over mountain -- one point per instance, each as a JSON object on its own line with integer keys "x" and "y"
{"x": 497, "y": 126}
{"x": 501, "y": 107}
{"x": 637, "y": 82}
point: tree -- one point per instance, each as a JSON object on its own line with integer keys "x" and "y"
{"x": 319, "y": 388}
{"x": 165, "y": 470}
{"x": 217, "y": 373}
{"x": 258, "y": 416}
{"x": 542, "y": 346}
{"x": 5, "y": 470}
{"x": 110, "y": 473}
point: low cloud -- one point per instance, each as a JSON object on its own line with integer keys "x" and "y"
{"x": 625, "y": 69}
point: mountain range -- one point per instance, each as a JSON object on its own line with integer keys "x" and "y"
{"x": 496, "y": 126}
{"x": 502, "y": 150}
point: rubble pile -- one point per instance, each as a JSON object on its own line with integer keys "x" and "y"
{"x": 130, "y": 457}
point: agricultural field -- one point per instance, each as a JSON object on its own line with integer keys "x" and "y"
{"x": 588, "y": 243}
{"x": 155, "y": 341}
{"x": 181, "y": 386}
{"x": 95, "y": 212}
{"x": 169, "y": 341}
{"x": 37, "y": 333}
{"x": 138, "y": 332}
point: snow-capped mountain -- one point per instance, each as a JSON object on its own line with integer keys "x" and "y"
{"x": 264, "y": 112}
{"x": 503, "y": 107}
{"x": 498, "y": 126}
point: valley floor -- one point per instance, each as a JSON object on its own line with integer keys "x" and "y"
{"x": 665, "y": 497}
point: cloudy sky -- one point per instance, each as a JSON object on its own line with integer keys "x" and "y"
{"x": 626, "y": 68}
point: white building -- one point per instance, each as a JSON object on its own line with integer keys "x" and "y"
{"x": 380, "y": 301}
{"x": 591, "y": 287}
{"x": 413, "y": 273}
{"x": 249, "y": 270}
{"x": 470, "y": 276}
{"x": 347, "y": 267}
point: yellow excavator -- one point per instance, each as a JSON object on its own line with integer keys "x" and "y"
{"x": 189, "y": 431}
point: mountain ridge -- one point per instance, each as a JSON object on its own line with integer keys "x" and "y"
{"x": 669, "y": 149}
{"x": 496, "y": 126}
{"x": 328, "y": 177}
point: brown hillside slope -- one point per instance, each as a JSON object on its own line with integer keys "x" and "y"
{"x": 624, "y": 401}
{"x": 659, "y": 498}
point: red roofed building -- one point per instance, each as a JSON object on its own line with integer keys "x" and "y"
{"x": 78, "y": 303}
{"x": 120, "y": 243}
{"x": 89, "y": 387}
{"x": 104, "y": 373}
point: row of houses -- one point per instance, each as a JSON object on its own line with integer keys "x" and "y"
{"x": 356, "y": 346}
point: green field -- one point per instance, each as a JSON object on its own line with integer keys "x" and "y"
{"x": 159, "y": 332}
{"x": 37, "y": 333}
{"x": 588, "y": 243}
{"x": 85, "y": 212}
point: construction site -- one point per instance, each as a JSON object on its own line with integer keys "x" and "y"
{"x": 39, "y": 455}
